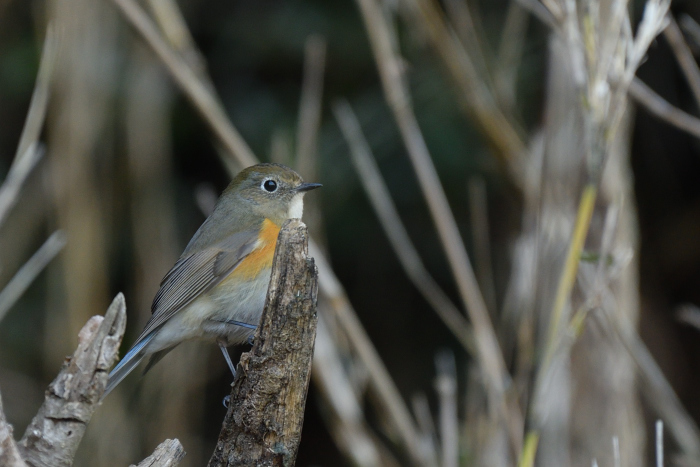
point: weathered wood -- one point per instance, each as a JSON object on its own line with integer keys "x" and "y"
{"x": 9, "y": 453}
{"x": 265, "y": 417}
{"x": 168, "y": 454}
{"x": 54, "y": 434}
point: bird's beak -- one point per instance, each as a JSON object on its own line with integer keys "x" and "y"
{"x": 308, "y": 187}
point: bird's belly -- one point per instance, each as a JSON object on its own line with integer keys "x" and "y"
{"x": 205, "y": 318}
{"x": 239, "y": 300}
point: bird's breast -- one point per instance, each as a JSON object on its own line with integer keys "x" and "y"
{"x": 260, "y": 259}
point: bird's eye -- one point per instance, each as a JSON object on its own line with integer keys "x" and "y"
{"x": 270, "y": 186}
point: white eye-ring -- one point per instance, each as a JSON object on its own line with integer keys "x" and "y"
{"x": 269, "y": 185}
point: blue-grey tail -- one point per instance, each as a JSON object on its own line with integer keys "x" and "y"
{"x": 127, "y": 364}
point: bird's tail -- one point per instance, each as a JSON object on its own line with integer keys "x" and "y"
{"x": 127, "y": 364}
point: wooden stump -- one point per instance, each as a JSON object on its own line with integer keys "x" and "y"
{"x": 266, "y": 412}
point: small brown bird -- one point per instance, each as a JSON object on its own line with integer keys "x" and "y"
{"x": 216, "y": 290}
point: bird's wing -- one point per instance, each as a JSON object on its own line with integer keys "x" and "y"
{"x": 197, "y": 273}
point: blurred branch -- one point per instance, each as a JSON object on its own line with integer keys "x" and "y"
{"x": 19, "y": 171}
{"x": 429, "y": 436}
{"x": 346, "y": 420}
{"x": 386, "y": 211}
{"x": 474, "y": 88}
{"x": 266, "y": 412}
{"x": 510, "y": 54}
{"x": 28, "y": 150}
{"x": 659, "y": 438}
{"x": 199, "y": 94}
{"x": 53, "y": 436}
{"x": 446, "y": 388}
{"x": 171, "y": 21}
{"x": 692, "y": 28}
{"x": 389, "y": 398}
{"x": 657, "y": 390}
{"x": 689, "y": 314}
{"x": 9, "y": 452}
{"x": 310, "y": 107}
{"x": 308, "y": 123}
{"x": 661, "y": 108}
{"x": 169, "y": 453}
{"x": 685, "y": 58}
{"x": 469, "y": 29}
{"x": 28, "y": 272}
{"x": 40, "y": 96}
{"x": 489, "y": 355}
{"x": 479, "y": 216}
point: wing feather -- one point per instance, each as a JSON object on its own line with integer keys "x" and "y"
{"x": 197, "y": 273}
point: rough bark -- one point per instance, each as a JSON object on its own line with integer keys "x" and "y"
{"x": 9, "y": 453}
{"x": 168, "y": 454}
{"x": 54, "y": 434}
{"x": 266, "y": 413}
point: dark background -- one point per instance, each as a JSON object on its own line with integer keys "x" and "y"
{"x": 254, "y": 52}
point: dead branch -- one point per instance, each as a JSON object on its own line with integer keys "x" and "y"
{"x": 264, "y": 420}
{"x": 54, "y": 434}
{"x": 661, "y": 108}
{"x": 168, "y": 454}
{"x": 9, "y": 453}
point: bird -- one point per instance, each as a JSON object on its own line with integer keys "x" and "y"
{"x": 216, "y": 290}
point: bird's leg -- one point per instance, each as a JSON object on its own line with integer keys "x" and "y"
{"x": 240, "y": 323}
{"x": 224, "y": 350}
{"x": 251, "y": 337}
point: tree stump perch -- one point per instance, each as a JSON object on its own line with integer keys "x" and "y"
{"x": 266, "y": 412}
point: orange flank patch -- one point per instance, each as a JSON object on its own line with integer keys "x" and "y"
{"x": 261, "y": 257}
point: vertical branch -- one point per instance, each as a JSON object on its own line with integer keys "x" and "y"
{"x": 266, "y": 413}
{"x": 308, "y": 123}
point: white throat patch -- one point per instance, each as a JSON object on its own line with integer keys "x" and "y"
{"x": 296, "y": 207}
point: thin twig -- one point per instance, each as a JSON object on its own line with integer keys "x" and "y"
{"x": 616, "y": 452}
{"x": 478, "y": 210}
{"x": 661, "y": 108}
{"x": 28, "y": 150}
{"x": 308, "y": 124}
{"x": 692, "y": 28}
{"x": 28, "y": 272}
{"x": 172, "y": 22}
{"x": 310, "y": 107}
{"x": 421, "y": 409}
{"x": 19, "y": 172}
{"x": 510, "y": 53}
{"x": 395, "y": 230}
{"x": 40, "y": 96}
{"x": 657, "y": 389}
{"x": 685, "y": 58}
{"x": 197, "y": 92}
{"x": 659, "y": 443}
{"x": 446, "y": 388}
